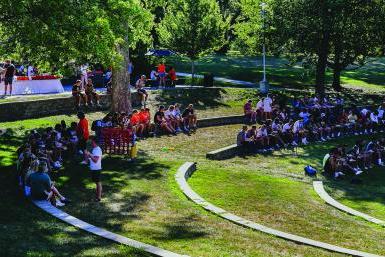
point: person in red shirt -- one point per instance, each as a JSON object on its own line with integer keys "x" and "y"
{"x": 172, "y": 75}
{"x": 135, "y": 123}
{"x": 144, "y": 119}
{"x": 83, "y": 133}
{"x": 162, "y": 74}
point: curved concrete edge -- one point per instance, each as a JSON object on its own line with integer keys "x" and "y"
{"x": 186, "y": 170}
{"x": 320, "y": 190}
{"x": 47, "y": 207}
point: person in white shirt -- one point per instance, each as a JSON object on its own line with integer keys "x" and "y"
{"x": 178, "y": 117}
{"x": 169, "y": 116}
{"x": 84, "y": 74}
{"x": 374, "y": 121}
{"x": 299, "y": 132}
{"x": 267, "y": 109}
{"x": 30, "y": 71}
{"x": 154, "y": 75}
{"x": 95, "y": 160}
{"x": 263, "y": 138}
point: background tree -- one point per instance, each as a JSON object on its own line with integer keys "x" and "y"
{"x": 193, "y": 28}
{"x": 56, "y": 33}
{"x": 355, "y": 35}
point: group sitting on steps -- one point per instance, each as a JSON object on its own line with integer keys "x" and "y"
{"x": 310, "y": 121}
{"x": 363, "y": 156}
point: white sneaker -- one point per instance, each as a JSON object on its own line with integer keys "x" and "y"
{"x": 338, "y": 134}
{"x": 323, "y": 139}
{"x": 356, "y": 134}
{"x": 294, "y": 143}
{"x": 358, "y": 172}
{"x": 57, "y": 165}
{"x": 81, "y": 152}
{"x": 84, "y": 163}
{"x": 59, "y": 204}
{"x": 328, "y": 138}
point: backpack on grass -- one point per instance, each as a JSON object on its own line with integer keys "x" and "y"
{"x": 310, "y": 171}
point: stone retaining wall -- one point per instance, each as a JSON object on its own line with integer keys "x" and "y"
{"x": 53, "y": 106}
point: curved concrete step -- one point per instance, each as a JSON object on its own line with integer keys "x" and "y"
{"x": 47, "y": 207}
{"x": 185, "y": 171}
{"x": 320, "y": 190}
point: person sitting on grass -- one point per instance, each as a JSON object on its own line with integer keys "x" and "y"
{"x": 145, "y": 120}
{"x": 137, "y": 127}
{"x": 189, "y": 118}
{"x": 250, "y": 114}
{"x": 161, "y": 122}
{"x": 263, "y": 139}
{"x": 42, "y": 188}
{"x": 92, "y": 97}
{"x": 78, "y": 93}
{"x": 140, "y": 84}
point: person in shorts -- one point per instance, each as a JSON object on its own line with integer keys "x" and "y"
{"x": 10, "y": 71}
{"x": 83, "y": 134}
{"x": 95, "y": 161}
{"x": 78, "y": 93}
{"x": 140, "y": 84}
{"x": 162, "y": 74}
{"x": 92, "y": 97}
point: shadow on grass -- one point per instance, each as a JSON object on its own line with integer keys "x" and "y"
{"x": 202, "y": 98}
{"x": 182, "y": 228}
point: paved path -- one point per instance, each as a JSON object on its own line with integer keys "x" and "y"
{"x": 185, "y": 171}
{"x": 220, "y": 79}
{"x": 319, "y": 188}
{"x": 47, "y": 207}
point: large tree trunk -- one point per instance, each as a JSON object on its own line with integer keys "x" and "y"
{"x": 337, "y": 67}
{"x": 323, "y": 48}
{"x": 121, "y": 95}
{"x": 192, "y": 73}
{"x": 322, "y": 64}
{"x": 337, "y": 79}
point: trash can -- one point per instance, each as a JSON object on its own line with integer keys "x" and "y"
{"x": 208, "y": 79}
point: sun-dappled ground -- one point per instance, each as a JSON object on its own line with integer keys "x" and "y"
{"x": 143, "y": 202}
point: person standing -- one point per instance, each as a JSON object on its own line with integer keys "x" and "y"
{"x": 30, "y": 71}
{"x": 83, "y": 134}
{"x": 130, "y": 69}
{"x": 172, "y": 76}
{"x": 84, "y": 74}
{"x": 10, "y": 71}
{"x": 162, "y": 74}
{"x": 95, "y": 160}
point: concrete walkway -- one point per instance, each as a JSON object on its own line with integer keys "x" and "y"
{"x": 320, "y": 190}
{"x": 47, "y": 207}
{"x": 220, "y": 79}
{"x": 185, "y": 171}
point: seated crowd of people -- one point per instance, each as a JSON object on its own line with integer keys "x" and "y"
{"x": 43, "y": 153}
{"x": 362, "y": 156}
{"x": 45, "y": 150}
{"x": 85, "y": 93}
{"x": 169, "y": 121}
{"x": 307, "y": 120}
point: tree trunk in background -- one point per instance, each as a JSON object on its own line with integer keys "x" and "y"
{"x": 337, "y": 79}
{"x": 192, "y": 73}
{"x": 322, "y": 64}
{"x": 121, "y": 95}
{"x": 337, "y": 68}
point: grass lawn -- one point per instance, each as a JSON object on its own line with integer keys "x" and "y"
{"x": 143, "y": 202}
{"x": 281, "y": 73}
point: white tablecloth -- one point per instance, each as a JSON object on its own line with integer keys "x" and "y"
{"x": 27, "y": 87}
